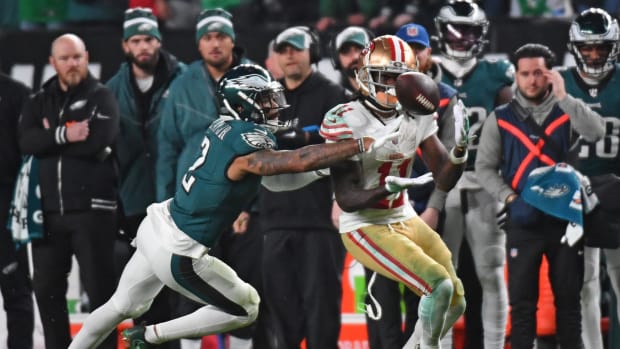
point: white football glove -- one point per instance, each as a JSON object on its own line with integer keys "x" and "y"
{"x": 574, "y": 233}
{"x": 395, "y": 184}
{"x": 383, "y": 143}
{"x": 461, "y": 125}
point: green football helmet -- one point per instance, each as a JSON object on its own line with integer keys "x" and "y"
{"x": 247, "y": 92}
{"x": 461, "y": 30}
{"x": 590, "y": 28}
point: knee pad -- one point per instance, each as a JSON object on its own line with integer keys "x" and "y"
{"x": 494, "y": 256}
{"x": 129, "y": 309}
{"x": 250, "y": 302}
{"x": 443, "y": 290}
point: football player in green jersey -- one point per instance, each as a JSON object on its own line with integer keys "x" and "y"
{"x": 174, "y": 239}
{"x": 470, "y": 211}
{"x": 593, "y": 41}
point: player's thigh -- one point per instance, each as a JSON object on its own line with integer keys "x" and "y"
{"x": 395, "y": 255}
{"x": 137, "y": 287}
{"x": 486, "y": 241}
{"x": 454, "y": 222}
{"x": 208, "y": 280}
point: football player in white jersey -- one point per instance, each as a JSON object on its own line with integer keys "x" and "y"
{"x": 378, "y": 225}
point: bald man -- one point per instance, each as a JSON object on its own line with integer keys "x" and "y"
{"x": 69, "y": 126}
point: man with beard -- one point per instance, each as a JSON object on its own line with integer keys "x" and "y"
{"x": 139, "y": 86}
{"x": 189, "y": 108}
{"x": 346, "y": 48}
{"x": 536, "y": 129}
{"x": 70, "y": 126}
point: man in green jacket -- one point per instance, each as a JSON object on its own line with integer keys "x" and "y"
{"x": 191, "y": 104}
{"x": 139, "y": 86}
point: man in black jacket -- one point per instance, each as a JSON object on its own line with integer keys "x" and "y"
{"x": 14, "y": 282}
{"x": 70, "y": 126}
{"x": 302, "y": 248}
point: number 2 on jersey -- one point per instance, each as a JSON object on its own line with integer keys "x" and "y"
{"x": 189, "y": 179}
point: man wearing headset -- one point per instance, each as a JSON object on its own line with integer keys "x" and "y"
{"x": 302, "y": 248}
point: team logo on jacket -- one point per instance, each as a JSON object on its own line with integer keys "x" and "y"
{"x": 77, "y": 104}
{"x": 553, "y": 191}
{"x": 258, "y": 139}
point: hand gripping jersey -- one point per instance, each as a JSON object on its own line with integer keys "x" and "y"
{"x": 207, "y": 202}
{"x": 600, "y": 157}
{"x": 352, "y": 120}
{"x": 478, "y": 89}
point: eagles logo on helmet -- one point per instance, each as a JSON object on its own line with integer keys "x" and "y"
{"x": 594, "y": 29}
{"x": 461, "y": 30}
{"x": 247, "y": 92}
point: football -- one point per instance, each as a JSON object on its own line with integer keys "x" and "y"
{"x": 417, "y": 93}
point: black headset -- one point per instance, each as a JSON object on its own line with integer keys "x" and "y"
{"x": 333, "y": 50}
{"x": 315, "y": 44}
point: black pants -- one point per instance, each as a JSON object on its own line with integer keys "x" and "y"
{"x": 525, "y": 249}
{"x": 302, "y": 273}
{"x": 387, "y": 332}
{"x": 14, "y": 283}
{"x": 165, "y": 302}
{"x": 89, "y": 235}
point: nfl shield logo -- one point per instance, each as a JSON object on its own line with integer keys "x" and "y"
{"x": 514, "y": 252}
{"x": 412, "y": 31}
{"x": 593, "y": 92}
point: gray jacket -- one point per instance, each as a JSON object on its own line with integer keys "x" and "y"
{"x": 587, "y": 123}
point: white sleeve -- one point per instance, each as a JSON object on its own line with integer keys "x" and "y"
{"x": 292, "y": 181}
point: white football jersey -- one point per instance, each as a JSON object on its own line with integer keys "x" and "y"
{"x": 354, "y": 120}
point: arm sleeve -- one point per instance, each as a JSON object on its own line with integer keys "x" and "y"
{"x": 488, "y": 160}
{"x": 292, "y": 181}
{"x": 589, "y": 124}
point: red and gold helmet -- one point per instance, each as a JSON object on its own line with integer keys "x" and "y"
{"x": 381, "y": 61}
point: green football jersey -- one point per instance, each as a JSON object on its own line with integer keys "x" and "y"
{"x": 478, "y": 90}
{"x": 207, "y": 202}
{"x": 600, "y": 157}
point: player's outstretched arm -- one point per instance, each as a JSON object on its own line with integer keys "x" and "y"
{"x": 269, "y": 162}
{"x": 292, "y": 181}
